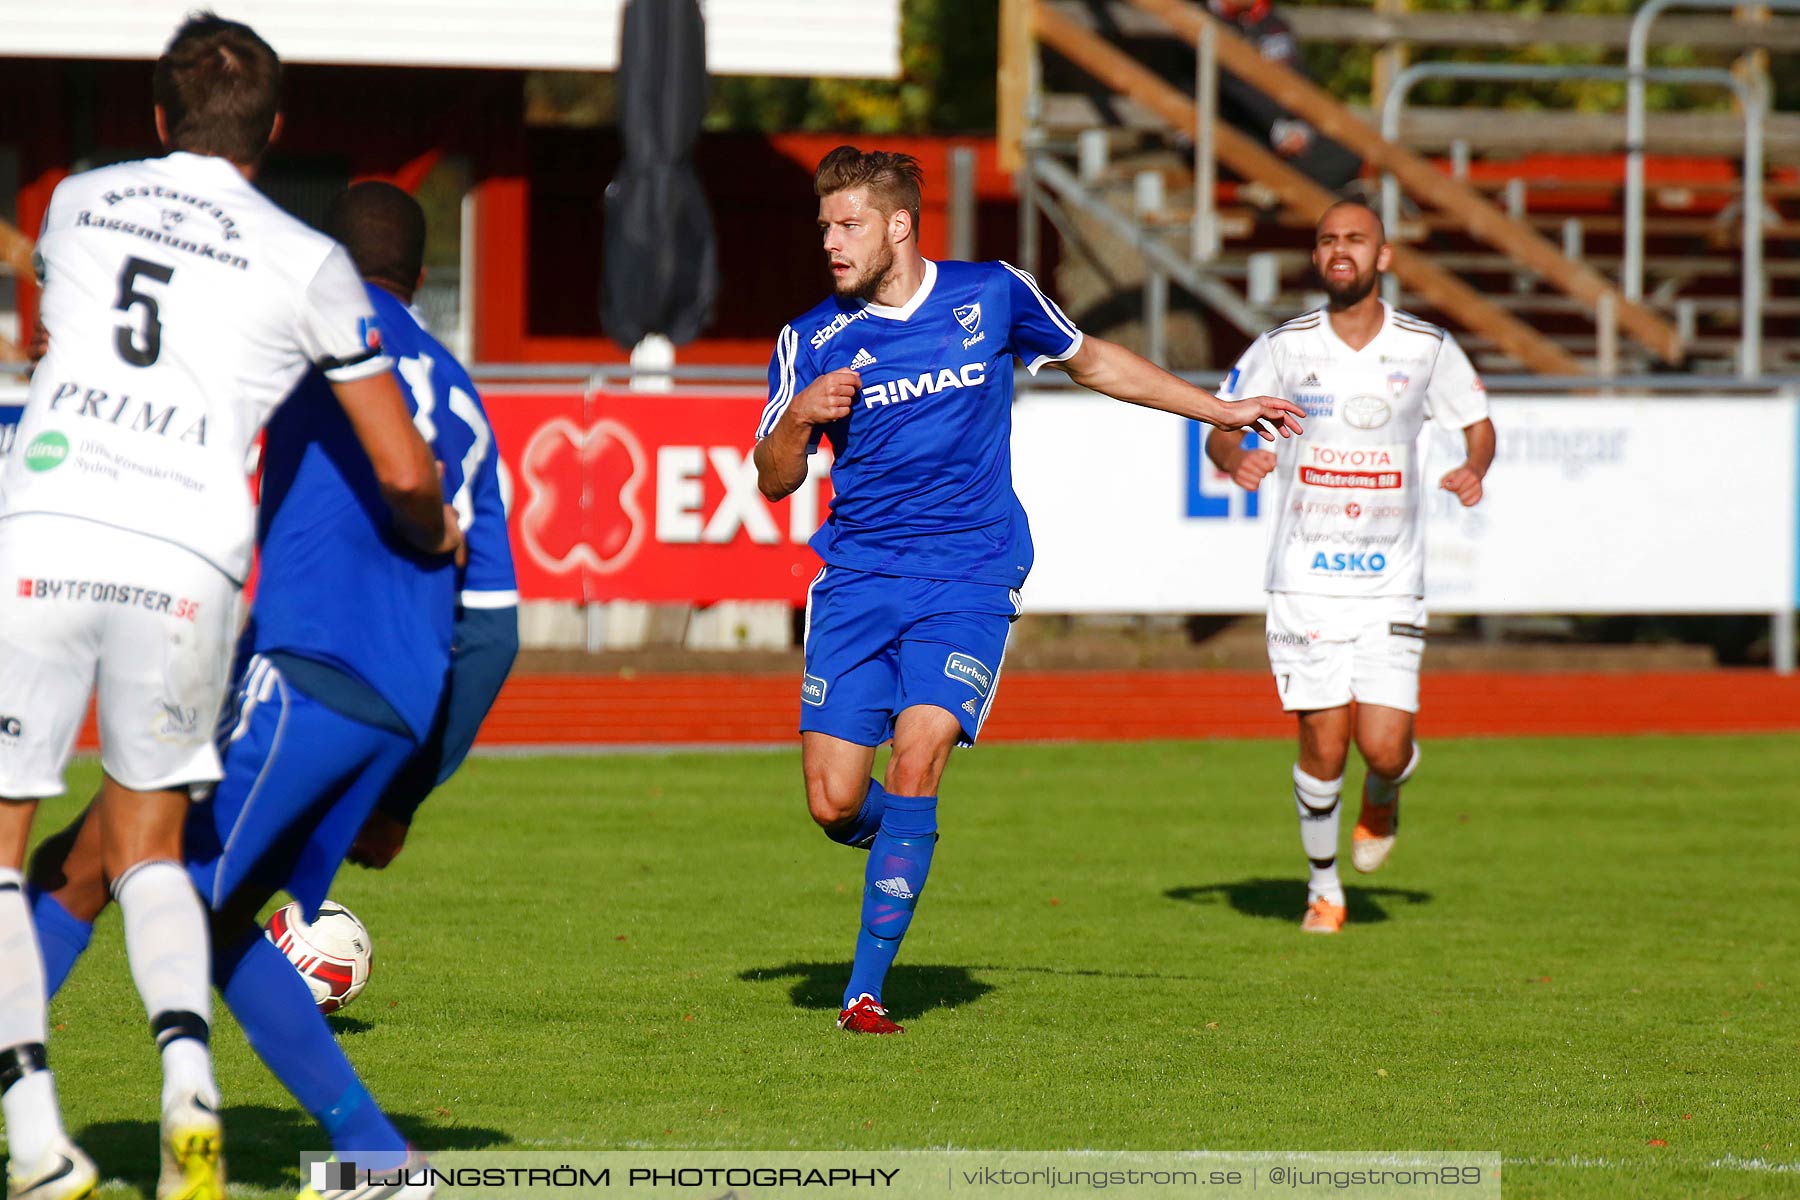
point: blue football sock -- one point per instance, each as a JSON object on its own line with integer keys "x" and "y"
{"x": 898, "y": 863}
{"x": 860, "y": 833}
{"x": 62, "y": 936}
{"x": 287, "y": 1031}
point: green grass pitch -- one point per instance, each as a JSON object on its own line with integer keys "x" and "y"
{"x": 1582, "y": 954}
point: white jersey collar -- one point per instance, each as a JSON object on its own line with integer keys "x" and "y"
{"x": 1387, "y": 319}
{"x": 188, "y": 160}
{"x": 905, "y": 311}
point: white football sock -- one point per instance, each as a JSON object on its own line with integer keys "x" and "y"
{"x": 1379, "y": 791}
{"x": 33, "y": 1119}
{"x": 187, "y": 1067}
{"x": 166, "y": 941}
{"x": 1316, "y": 801}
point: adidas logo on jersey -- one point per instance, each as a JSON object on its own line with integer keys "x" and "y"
{"x": 1311, "y": 380}
{"x": 900, "y": 390}
{"x": 863, "y": 359}
{"x": 895, "y": 887}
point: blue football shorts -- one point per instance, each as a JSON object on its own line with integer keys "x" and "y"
{"x": 300, "y": 779}
{"x": 879, "y": 644}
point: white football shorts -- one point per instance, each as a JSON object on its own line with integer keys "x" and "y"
{"x": 151, "y": 623}
{"x": 1326, "y": 651}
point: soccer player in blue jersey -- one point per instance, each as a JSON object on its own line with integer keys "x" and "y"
{"x": 385, "y": 229}
{"x": 342, "y": 690}
{"x": 907, "y": 370}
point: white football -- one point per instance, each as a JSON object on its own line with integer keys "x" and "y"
{"x": 332, "y": 954}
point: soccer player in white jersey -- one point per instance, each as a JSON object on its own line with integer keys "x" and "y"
{"x": 907, "y": 370}
{"x": 1346, "y": 557}
{"x": 181, "y": 306}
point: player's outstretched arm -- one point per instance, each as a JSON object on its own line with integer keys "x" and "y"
{"x": 404, "y": 465}
{"x": 1465, "y": 480}
{"x": 781, "y": 456}
{"x": 1112, "y": 370}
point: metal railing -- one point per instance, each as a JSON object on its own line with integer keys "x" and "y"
{"x": 1753, "y": 284}
{"x": 1206, "y": 160}
{"x": 1161, "y": 261}
{"x": 1637, "y": 76}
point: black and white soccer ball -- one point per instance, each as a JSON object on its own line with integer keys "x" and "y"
{"x": 332, "y": 954}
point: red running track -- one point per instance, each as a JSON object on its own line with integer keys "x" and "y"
{"x": 1038, "y": 706}
{"x": 1125, "y": 705}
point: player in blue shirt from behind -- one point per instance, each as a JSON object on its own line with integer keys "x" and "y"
{"x": 907, "y": 371}
{"x": 343, "y": 701}
{"x": 449, "y": 413}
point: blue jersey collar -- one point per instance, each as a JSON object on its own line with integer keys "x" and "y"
{"x": 905, "y": 311}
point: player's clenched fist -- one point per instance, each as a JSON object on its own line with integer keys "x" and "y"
{"x": 1250, "y": 468}
{"x": 380, "y": 842}
{"x": 828, "y": 398}
{"x": 1465, "y": 483}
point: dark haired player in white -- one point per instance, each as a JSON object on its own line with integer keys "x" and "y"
{"x": 907, "y": 370}
{"x": 1346, "y": 574}
{"x": 352, "y": 693}
{"x": 181, "y": 307}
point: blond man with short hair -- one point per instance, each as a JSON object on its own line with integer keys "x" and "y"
{"x": 906, "y": 369}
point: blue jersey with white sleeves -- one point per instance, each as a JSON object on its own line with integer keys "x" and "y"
{"x": 451, "y": 418}
{"x": 488, "y": 581}
{"x": 338, "y": 585}
{"x": 922, "y": 473}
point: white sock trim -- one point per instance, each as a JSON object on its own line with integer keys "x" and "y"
{"x": 1412, "y": 764}
{"x": 1326, "y": 791}
{"x": 1382, "y": 792}
{"x": 118, "y": 886}
{"x": 1316, "y": 805}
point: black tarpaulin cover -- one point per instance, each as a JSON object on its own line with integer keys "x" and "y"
{"x": 662, "y": 273}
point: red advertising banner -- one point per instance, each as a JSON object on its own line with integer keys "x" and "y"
{"x": 649, "y": 496}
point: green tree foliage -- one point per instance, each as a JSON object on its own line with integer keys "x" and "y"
{"x": 1347, "y": 70}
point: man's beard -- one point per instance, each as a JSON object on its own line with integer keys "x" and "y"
{"x": 869, "y": 282}
{"x": 1346, "y": 294}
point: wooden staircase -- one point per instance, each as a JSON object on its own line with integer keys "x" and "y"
{"x": 1514, "y": 255}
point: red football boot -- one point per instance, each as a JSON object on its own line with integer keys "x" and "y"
{"x": 865, "y": 1015}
